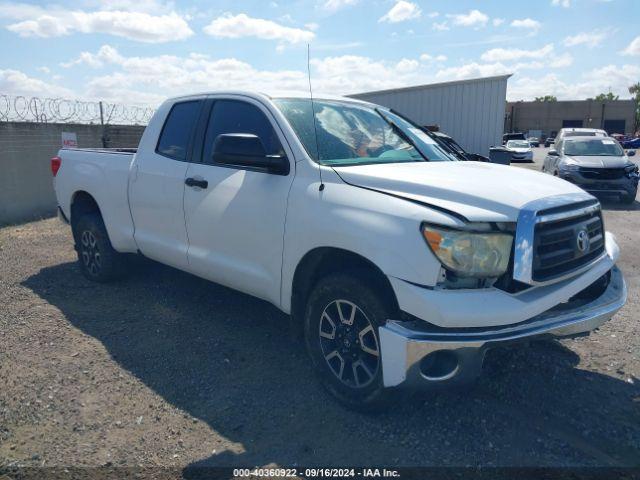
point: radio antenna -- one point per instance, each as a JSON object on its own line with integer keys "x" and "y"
{"x": 313, "y": 113}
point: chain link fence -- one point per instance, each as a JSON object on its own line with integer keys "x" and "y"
{"x": 61, "y": 110}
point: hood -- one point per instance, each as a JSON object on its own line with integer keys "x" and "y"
{"x": 600, "y": 161}
{"x": 520, "y": 150}
{"x": 478, "y": 191}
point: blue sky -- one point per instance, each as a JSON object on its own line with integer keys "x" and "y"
{"x": 145, "y": 51}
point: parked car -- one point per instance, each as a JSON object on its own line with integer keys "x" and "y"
{"x": 534, "y": 141}
{"x": 631, "y": 143}
{"x": 520, "y": 150}
{"x": 549, "y": 142}
{"x": 398, "y": 266}
{"x": 596, "y": 164}
{"x": 580, "y": 132}
{"x": 512, "y": 136}
{"x": 453, "y": 147}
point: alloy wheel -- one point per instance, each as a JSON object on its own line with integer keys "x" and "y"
{"x": 349, "y": 343}
{"x": 90, "y": 252}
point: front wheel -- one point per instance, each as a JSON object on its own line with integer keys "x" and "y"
{"x": 341, "y": 332}
{"x": 628, "y": 199}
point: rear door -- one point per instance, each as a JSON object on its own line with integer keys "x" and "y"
{"x": 156, "y": 189}
{"x": 235, "y": 219}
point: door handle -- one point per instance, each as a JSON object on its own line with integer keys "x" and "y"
{"x": 196, "y": 182}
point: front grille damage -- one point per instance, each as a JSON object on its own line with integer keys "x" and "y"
{"x": 563, "y": 244}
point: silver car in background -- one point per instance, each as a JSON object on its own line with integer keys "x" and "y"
{"x": 520, "y": 150}
{"x": 597, "y": 164}
{"x": 580, "y": 132}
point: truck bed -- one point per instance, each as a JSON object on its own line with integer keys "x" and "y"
{"x": 104, "y": 172}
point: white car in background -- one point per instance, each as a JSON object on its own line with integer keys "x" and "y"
{"x": 580, "y": 132}
{"x": 520, "y": 150}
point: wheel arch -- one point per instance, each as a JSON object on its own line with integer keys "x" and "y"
{"x": 82, "y": 202}
{"x": 322, "y": 261}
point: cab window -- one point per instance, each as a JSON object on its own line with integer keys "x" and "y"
{"x": 176, "y": 132}
{"x": 234, "y": 116}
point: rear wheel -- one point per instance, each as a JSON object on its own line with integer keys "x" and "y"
{"x": 97, "y": 258}
{"x": 342, "y": 319}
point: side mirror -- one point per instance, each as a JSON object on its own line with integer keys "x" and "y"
{"x": 246, "y": 150}
{"x": 553, "y": 153}
{"x": 631, "y": 153}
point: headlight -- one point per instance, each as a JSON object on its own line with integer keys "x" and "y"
{"x": 632, "y": 168}
{"x": 568, "y": 164}
{"x": 470, "y": 254}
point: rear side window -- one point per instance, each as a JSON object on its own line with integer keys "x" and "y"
{"x": 233, "y": 116}
{"x": 177, "y": 129}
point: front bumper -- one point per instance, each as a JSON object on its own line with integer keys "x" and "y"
{"x": 522, "y": 157}
{"x": 627, "y": 185}
{"x": 413, "y": 355}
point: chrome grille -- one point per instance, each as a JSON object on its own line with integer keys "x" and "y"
{"x": 565, "y": 239}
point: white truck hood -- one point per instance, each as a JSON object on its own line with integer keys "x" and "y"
{"x": 479, "y": 191}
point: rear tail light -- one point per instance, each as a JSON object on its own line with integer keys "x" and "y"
{"x": 56, "y": 162}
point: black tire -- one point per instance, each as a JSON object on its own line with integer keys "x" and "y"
{"x": 360, "y": 387}
{"x": 97, "y": 258}
{"x": 627, "y": 199}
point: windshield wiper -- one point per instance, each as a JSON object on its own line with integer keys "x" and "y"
{"x": 401, "y": 133}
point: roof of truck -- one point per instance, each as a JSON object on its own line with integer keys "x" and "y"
{"x": 273, "y": 95}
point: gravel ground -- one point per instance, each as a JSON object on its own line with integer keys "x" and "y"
{"x": 165, "y": 369}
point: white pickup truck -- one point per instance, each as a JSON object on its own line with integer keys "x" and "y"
{"x": 398, "y": 265}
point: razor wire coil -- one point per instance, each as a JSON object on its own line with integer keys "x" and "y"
{"x": 62, "y": 110}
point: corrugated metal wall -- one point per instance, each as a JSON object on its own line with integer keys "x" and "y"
{"x": 471, "y": 111}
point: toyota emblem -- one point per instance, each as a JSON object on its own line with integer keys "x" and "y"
{"x": 582, "y": 241}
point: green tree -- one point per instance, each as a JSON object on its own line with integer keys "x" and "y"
{"x": 547, "y": 98}
{"x": 606, "y": 96}
{"x": 635, "y": 91}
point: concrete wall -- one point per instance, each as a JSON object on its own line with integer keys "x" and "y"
{"x": 26, "y": 189}
{"x": 471, "y": 111}
{"x": 548, "y": 116}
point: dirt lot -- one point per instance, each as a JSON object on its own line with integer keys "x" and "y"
{"x": 166, "y": 369}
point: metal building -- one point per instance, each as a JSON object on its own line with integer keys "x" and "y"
{"x": 470, "y": 111}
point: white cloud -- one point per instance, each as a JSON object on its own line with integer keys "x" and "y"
{"x": 106, "y": 54}
{"x": 561, "y": 3}
{"x": 527, "y": 23}
{"x": 401, "y": 12}
{"x": 497, "y": 22}
{"x": 15, "y": 82}
{"x": 614, "y": 77}
{"x": 241, "y": 25}
{"x": 589, "y": 39}
{"x": 440, "y": 27}
{"x": 473, "y": 70}
{"x": 507, "y": 54}
{"x": 313, "y": 26}
{"x": 474, "y": 18}
{"x": 407, "y": 65}
{"x": 633, "y": 49}
{"x": 425, "y": 57}
{"x": 333, "y": 6}
{"x": 561, "y": 61}
{"x": 151, "y": 79}
{"x": 433, "y": 14}
{"x": 134, "y": 25}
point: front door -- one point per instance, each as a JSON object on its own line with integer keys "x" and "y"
{"x": 235, "y": 217}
